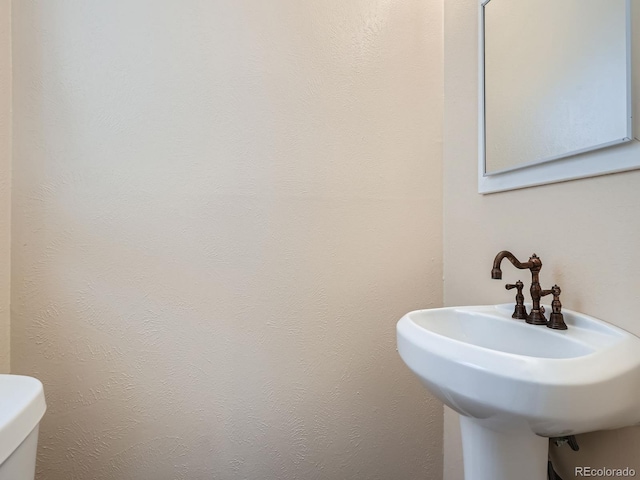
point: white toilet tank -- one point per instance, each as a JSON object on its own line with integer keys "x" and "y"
{"x": 22, "y": 406}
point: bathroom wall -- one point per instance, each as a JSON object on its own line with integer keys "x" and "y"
{"x": 220, "y": 211}
{"x": 585, "y": 231}
{"x": 5, "y": 180}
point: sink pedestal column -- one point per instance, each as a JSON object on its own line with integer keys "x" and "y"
{"x": 493, "y": 455}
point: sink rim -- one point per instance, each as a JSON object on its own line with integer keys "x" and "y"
{"x": 575, "y": 370}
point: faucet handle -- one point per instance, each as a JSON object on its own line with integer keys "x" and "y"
{"x": 520, "y": 311}
{"x": 518, "y": 285}
{"x": 556, "y": 320}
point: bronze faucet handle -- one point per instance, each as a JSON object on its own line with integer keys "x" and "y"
{"x": 519, "y": 285}
{"x": 520, "y": 311}
{"x": 556, "y": 320}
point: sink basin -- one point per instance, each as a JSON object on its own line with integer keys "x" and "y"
{"x": 515, "y": 383}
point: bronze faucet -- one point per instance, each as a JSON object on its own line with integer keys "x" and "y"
{"x": 536, "y": 317}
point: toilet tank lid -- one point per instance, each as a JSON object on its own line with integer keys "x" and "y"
{"x": 22, "y": 406}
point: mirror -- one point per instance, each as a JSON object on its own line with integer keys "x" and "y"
{"x": 555, "y": 83}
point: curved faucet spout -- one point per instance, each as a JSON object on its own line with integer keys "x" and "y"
{"x": 534, "y": 263}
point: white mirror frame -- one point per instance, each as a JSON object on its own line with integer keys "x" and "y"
{"x": 614, "y": 159}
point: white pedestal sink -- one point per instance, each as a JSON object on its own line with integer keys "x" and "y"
{"x": 515, "y": 384}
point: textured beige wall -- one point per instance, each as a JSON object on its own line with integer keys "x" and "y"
{"x": 221, "y": 209}
{"x": 585, "y": 231}
{"x": 5, "y": 180}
